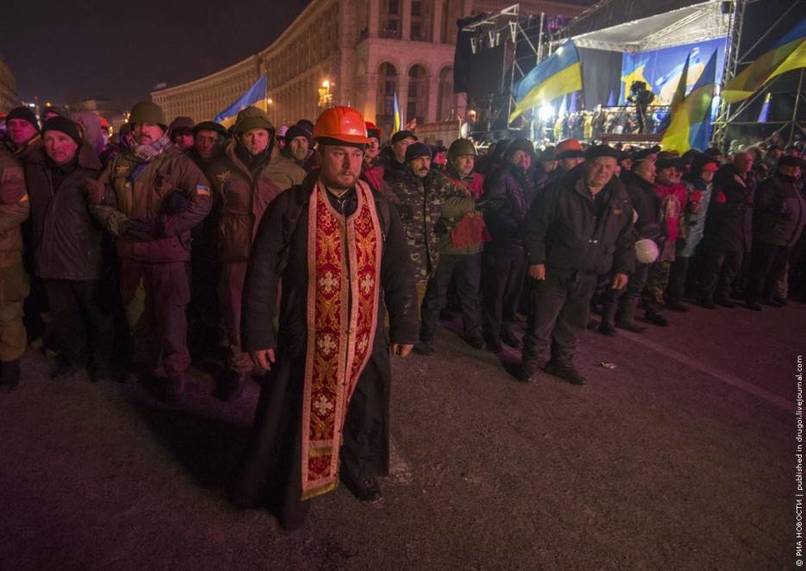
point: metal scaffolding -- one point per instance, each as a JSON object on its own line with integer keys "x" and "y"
{"x": 516, "y": 33}
{"x": 729, "y": 114}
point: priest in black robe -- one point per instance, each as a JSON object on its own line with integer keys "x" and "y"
{"x": 335, "y": 253}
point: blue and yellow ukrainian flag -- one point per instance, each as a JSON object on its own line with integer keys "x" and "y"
{"x": 680, "y": 93}
{"x": 255, "y": 95}
{"x": 764, "y": 114}
{"x": 396, "y": 111}
{"x": 691, "y": 116}
{"x": 789, "y": 53}
{"x": 561, "y": 73}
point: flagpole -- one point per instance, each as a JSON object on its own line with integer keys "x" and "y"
{"x": 795, "y": 110}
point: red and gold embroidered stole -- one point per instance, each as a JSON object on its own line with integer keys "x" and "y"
{"x": 344, "y": 269}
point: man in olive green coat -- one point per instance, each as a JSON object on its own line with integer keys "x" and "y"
{"x": 151, "y": 197}
{"x": 14, "y": 209}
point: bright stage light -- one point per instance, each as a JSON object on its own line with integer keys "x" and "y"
{"x": 546, "y": 112}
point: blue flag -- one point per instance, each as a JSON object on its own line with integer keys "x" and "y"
{"x": 764, "y": 114}
{"x": 253, "y": 95}
{"x": 690, "y": 126}
{"x": 396, "y": 113}
{"x": 559, "y": 74}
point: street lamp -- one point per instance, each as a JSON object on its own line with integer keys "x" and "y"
{"x": 325, "y": 95}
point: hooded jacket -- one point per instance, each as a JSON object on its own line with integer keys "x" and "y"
{"x": 244, "y": 194}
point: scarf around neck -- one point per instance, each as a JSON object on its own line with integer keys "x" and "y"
{"x": 148, "y": 152}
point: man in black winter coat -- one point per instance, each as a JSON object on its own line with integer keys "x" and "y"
{"x": 505, "y": 203}
{"x": 579, "y": 229}
{"x": 779, "y": 217}
{"x": 67, "y": 249}
{"x": 726, "y": 230}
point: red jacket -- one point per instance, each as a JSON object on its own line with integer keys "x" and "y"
{"x": 673, "y": 200}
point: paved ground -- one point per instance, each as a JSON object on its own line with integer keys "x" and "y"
{"x": 680, "y": 458}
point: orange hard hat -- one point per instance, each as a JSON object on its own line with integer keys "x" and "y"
{"x": 569, "y": 148}
{"x": 343, "y": 124}
{"x": 372, "y": 130}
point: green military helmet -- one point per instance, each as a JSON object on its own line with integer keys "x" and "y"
{"x": 147, "y": 112}
{"x": 461, "y": 147}
{"x": 252, "y": 118}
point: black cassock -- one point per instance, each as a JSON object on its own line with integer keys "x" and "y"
{"x": 270, "y": 471}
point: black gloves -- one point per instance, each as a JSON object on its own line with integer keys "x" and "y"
{"x": 175, "y": 203}
{"x": 142, "y": 230}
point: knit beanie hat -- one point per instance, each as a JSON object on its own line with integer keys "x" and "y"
{"x": 298, "y": 130}
{"x": 23, "y": 113}
{"x": 63, "y": 125}
{"x": 417, "y": 150}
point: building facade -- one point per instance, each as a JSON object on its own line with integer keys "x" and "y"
{"x": 367, "y": 51}
{"x": 8, "y": 88}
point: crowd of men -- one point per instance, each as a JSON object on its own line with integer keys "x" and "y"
{"x": 185, "y": 241}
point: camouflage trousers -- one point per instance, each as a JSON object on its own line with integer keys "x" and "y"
{"x": 656, "y": 284}
{"x": 14, "y": 287}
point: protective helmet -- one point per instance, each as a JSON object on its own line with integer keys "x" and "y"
{"x": 341, "y": 124}
{"x": 569, "y": 148}
{"x": 646, "y": 251}
{"x": 147, "y": 112}
{"x": 210, "y": 126}
{"x": 461, "y": 147}
{"x": 373, "y": 132}
{"x": 519, "y": 144}
{"x": 252, "y": 118}
{"x": 181, "y": 124}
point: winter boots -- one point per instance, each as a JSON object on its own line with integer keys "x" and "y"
{"x": 9, "y": 375}
{"x": 625, "y": 318}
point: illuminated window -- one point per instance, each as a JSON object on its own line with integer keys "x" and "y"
{"x": 445, "y": 111}
{"x": 421, "y": 20}
{"x": 418, "y": 94}
{"x": 390, "y": 19}
{"x": 451, "y": 12}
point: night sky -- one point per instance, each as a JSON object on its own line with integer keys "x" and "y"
{"x": 67, "y": 50}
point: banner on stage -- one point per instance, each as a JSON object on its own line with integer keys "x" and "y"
{"x": 661, "y": 69}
